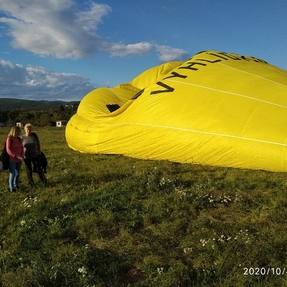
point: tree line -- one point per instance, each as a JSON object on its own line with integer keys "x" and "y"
{"x": 45, "y": 117}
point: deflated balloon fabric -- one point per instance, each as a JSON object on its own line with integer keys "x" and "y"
{"x": 215, "y": 108}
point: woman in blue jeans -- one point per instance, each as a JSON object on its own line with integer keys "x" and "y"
{"x": 14, "y": 149}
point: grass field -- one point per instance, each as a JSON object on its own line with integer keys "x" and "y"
{"x": 116, "y": 221}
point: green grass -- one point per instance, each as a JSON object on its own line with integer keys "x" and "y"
{"x": 108, "y": 220}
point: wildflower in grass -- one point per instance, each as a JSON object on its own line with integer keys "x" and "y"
{"x": 203, "y": 242}
{"x": 164, "y": 181}
{"x": 25, "y": 199}
{"x": 159, "y": 270}
{"x": 83, "y": 271}
{"x": 187, "y": 250}
{"x": 21, "y": 262}
{"x": 210, "y": 198}
{"x": 27, "y": 204}
{"x": 28, "y": 201}
{"x": 226, "y": 199}
{"x": 22, "y": 222}
{"x": 243, "y": 236}
{"x": 226, "y": 238}
{"x": 181, "y": 194}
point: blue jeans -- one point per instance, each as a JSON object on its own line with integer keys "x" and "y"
{"x": 14, "y": 172}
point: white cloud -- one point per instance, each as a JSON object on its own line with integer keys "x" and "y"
{"x": 90, "y": 19}
{"x": 52, "y": 27}
{"x": 122, "y": 50}
{"x": 30, "y": 82}
{"x": 58, "y": 28}
{"x": 167, "y": 53}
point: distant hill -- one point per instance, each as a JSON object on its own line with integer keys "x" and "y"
{"x": 7, "y": 104}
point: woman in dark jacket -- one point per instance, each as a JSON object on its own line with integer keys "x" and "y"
{"x": 32, "y": 152}
{"x": 14, "y": 149}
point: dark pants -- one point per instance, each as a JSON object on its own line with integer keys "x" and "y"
{"x": 33, "y": 164}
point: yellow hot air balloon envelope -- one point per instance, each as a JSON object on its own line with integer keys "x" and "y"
{"x": 216, "y": 108}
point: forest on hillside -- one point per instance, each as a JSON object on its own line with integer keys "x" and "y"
{"x": 37, "y": 113}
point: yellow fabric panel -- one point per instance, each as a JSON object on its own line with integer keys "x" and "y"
{"x": 154, "y": 74}
{"x": 215, "y": 108}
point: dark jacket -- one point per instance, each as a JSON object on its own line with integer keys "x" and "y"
{"x": 4, "y": 157}
{"x": 43, "y": 162}
{"x": 31, "y": 146}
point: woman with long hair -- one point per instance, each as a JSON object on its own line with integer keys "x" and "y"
{"x": 15, "y": 151}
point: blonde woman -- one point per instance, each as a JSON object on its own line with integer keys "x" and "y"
{"x": 32, "y": 152}
{"x": 15, "y": 151}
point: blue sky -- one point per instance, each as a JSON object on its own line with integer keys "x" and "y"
{"x": 60, "y": 49}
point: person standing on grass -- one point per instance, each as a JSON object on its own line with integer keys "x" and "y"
{"x": 15, "y": 151}
{"x": 32, "y": 152}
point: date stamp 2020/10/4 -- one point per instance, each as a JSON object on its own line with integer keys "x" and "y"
{"x": 263, "y": 271}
